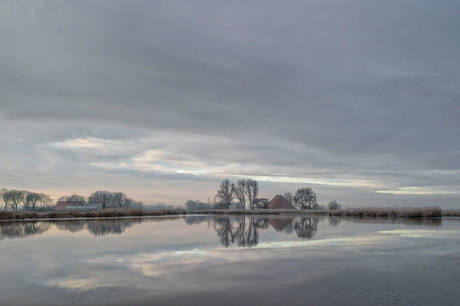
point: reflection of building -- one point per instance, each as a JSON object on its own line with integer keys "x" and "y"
{"x": 279, "y": 202}
{"x": 64, "y": 205}
{"x": 279, "y": 224}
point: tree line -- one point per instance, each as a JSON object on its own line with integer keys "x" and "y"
{"x": 33, "y": 201}
{"x": 18, "y": 199}
{"x": 244, "y": 194}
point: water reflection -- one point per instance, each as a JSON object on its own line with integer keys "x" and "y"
{"x": 22, "y": 229}
{"x": 244, "y": 232}
{"x": 231, "y": 230}
{"x": 180, "y": 261}
{"x": 306, "y": 227}
{"x": 425, "y": 222}
{"x": 98, "y": 227}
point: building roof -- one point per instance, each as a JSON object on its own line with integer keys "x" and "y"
{"x": 279, "y": 202}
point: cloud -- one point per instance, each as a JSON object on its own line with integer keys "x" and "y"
{"x": 416, "y": 190}
{"x": 335, "y": 94}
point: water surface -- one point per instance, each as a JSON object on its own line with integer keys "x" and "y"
{"x": 229, "y": 260}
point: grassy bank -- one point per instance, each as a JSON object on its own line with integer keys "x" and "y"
{"x": 426, "y": 212}
{"x": 106, "y": 213}
{"x": 390, "y": 213}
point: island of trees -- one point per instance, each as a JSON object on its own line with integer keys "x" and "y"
{"x": 244, "y": 194}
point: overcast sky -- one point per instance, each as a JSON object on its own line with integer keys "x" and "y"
{"x": 359, "y": 100}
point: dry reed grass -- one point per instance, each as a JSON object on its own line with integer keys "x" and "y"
{"x": 425, "y": 212}
{"x": 392, "y": 213}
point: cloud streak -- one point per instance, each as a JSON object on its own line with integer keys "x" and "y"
{"x": 341, "y": 94}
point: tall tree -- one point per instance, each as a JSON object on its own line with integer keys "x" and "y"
{"x": 45, "y": 201}
{"x": 31, "y": 200}
{"x": 288, "y": 196}
{"x": 305, "y": 198}
{"x": 73, "y": 198}
{"x": 333, "y": 205}
{"x": 2, "y": 193}
{"x": 252, "y": 190}
{"x": 240, "y": 188}
{"x": 14, "y": 198}
{"x": 101, "y": 197}
{"x": 111, "y": 199}
{"x": 119, "y": 199}
{"x": 225, "y": 193}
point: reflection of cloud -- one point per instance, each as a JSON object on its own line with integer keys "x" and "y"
{"x": 153, "y": 269}
{"x": 163, "y": 263}
{"x": 157, "y": 264}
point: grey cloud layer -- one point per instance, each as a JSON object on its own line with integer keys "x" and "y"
{"x": 348, "y": 90}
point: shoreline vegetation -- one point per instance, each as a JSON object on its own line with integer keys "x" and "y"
{"x": 389, "y": 213}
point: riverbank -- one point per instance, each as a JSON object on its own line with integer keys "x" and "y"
{"x": 426, "y": 212}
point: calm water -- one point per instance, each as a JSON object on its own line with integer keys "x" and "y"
{"x": 230, "y": 260}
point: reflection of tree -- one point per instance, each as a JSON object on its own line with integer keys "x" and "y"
{"x": 71, "y": 226}
{"x": 246, "y": 234}
{"x": 289, "y": 228}
{"x": 306, "y": 227}
{"x": 104, "y": 227}
{"x": 244, "y": 231}
{"x": 189, "y": 219}
{"x": 22, "y": 229}
{"x": 224, "y": 228}
{"x": 97, "y": 227}
{"x": 334, "y": 221}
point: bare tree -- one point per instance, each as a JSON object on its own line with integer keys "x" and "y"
{"x": 239, "y": 192}
{"x": 112, "y": 199}
{"x": 252, "y": 190}
{"x": 13, "y": 198}
{"x": 31, "y": 200}
{"x": 73, "y": 198}
{"x": 45, "y": 201}
{"x": 261, "y": 203}
{"x": 333, "y": 205}
{"x": 305, "y": 198}
{"x": 289, "y": 197}
{"x": 119, "y": 199}
{"x": 196, "y": 205}
{"x": 101, "y": 197}
{"x": 2, "y": 193}
{"x": 225, "y": 194}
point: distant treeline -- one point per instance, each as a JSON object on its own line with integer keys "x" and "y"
{"x": 240, "y": 195}
{"x": 15, "y": 200}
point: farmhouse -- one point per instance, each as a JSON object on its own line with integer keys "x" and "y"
{"x": 279, "y": 202}
{"x": 64, "y": 205}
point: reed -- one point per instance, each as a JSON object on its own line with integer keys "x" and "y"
{"x": 389, "y": 213}
{"x": 425, "y": 212}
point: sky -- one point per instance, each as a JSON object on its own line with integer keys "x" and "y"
{"x": 162, "y": 100}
